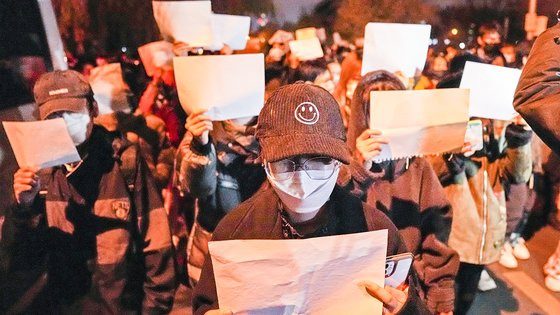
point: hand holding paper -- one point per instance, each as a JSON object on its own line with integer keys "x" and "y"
{"x": 26, "y": 185}
{"x": 393, "y": 299}
{"x": 368, "y": 146}
{"x": 41, "y": 144}
{"x": 199, "y": 125}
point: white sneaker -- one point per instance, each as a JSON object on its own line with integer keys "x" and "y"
{"x": 552, "y": 283}
{"x": 520, "y": 250}
{"x": 507, "y": 259}
{"x": 486, "y": 282}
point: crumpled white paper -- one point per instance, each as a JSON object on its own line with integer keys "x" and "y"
{"x": 311, "y": 276}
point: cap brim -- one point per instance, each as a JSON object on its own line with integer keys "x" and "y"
{"x": 287, "y": 146}
{"x": 63, "y": 104}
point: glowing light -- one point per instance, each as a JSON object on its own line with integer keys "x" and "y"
{"x": 446, "y": 41}
{"x": 454, "y": 31}
{"x": 462, "y": 45}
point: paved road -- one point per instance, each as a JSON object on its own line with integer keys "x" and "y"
{"x": 522, "y": 290}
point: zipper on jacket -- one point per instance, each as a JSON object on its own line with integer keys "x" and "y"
{"x": 484, "y": 214}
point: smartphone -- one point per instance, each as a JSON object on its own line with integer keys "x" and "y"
{"x": 397, "y": 268}
{"x": 474, "y": 134}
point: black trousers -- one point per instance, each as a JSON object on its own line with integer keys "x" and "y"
{"x": 466, "y": 286}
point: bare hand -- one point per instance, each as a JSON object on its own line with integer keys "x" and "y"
{"x": 368, "y": 146}
{"x": 393, "y": 299}
{"x": 181, "y": 49}
{"x": 226, "y": 50}
{"x": 467, "y": 149}
{"x": 26, "y": 185}
{"x": 293, "y": 61}
{"x": 199, "y": 125}
{"x": 518, "y": 120}
{"x": 218, "y": 312}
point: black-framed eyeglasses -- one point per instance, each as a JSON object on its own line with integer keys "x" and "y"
{"x": 317, "y": 168}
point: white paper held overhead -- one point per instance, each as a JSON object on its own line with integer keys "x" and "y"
{"x": 232, "y": 30}
{"x": 396, "y": 47}
{"x": 227, "y": 87}
{"x": 41, "y": 144}
{"x": 419, "y": 122}
{"x": 109, "y": 89}
{"x": 307, "y": 49}
{"x": 492, "y": 90}
{"x": 156, "y": 55}
{"x": 306, "y": 33}
{"x": 310, "y": 276}
{"x": 189, "y": 22}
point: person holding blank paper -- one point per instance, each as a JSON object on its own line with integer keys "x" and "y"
{"x": 473, "y": 181}
{"x": 108, "y": 239}
{"x": 217, "y": 163}
{"x": 408, "y": 191}
{"x": 302, "y": 142}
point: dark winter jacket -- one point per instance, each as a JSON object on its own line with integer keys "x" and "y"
{"x": 219, "y": 175}
{"x": 410, "y": 194}
{"x": 260, "y": 218}
{"x": 537, "y": 97}
{"x": 107, "y": 239}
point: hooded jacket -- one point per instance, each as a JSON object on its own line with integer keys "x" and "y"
{"x": 409, "y": 193}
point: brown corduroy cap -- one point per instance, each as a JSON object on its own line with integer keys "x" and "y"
{"x": 61, "y": 91}
{"x": 301, "y": 119}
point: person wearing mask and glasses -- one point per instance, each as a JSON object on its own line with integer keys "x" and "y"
{"x": 302, "y": 140}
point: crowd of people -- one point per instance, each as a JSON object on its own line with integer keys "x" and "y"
{"x": 117, "y": 231}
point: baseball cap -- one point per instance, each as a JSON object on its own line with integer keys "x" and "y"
{"x": 59, "y": 90}
{"x": 301, "y": 119}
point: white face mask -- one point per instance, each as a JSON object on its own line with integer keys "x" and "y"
{"x": 78, "y": 125}
{"x": 302, "y": 194}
